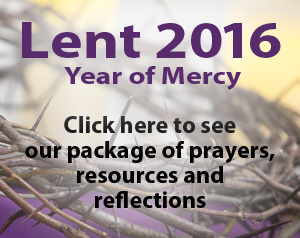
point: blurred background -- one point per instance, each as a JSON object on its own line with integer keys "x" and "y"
{"x": 27, "y": 84}
{"x": 37, "y": 80}
{"x": 34, "y": 81}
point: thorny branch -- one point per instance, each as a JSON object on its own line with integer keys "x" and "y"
{"x": 270, "y": 191}
{"x": 16, "y": 138}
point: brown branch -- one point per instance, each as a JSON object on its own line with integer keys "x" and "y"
{"x": 8, "y": 150}
{"x": 50, "y": 206}
{"x": 67, "y": 230}
{"x": 244, "y": 215}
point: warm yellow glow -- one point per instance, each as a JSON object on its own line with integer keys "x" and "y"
{"x": 99, "y": 12}
{"x": 269, "y": 76}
